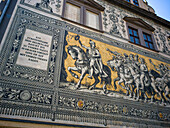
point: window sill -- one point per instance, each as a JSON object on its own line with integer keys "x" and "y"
{"x": 144, "y": 47}
{"x": 98, "y": 30}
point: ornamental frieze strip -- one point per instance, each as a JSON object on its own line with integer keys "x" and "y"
{"x": 31, "y": 57}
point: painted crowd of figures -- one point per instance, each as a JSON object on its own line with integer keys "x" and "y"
{"x": 132, "y": 72}
{"x": 137, "y": 79}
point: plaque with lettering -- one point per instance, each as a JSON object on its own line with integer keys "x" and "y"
{"x": 35, "y": 50}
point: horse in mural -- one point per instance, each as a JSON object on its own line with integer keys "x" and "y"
{"x": 137, "y": 80}
{"x": 161, "y": 80}
{"x": 161, "y": 85}
{"x": 82, "y": 65}
{"x": 123, "y": 75}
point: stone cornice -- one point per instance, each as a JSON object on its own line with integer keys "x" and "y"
{"x": 141, "y": 12}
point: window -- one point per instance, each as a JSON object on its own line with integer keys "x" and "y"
{"x": 148, "y": 41}
{"x": 84, "y": 12}
{"x": 92, "y": 19}
{"x": 135, "y": 2}
{"x": 134, "y": 36}
{"x": 72, "y": 12}
{"x": 140, "y": 33}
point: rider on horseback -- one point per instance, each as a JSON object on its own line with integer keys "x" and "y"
{"x": 95, "y": 60}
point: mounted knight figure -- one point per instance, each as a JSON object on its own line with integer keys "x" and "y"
{"x": 161, "y": 81}
{"x": 89, "y": 62}
{"x": 94, "y": 56}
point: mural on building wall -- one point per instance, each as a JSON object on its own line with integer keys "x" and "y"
{"x": 53, "y": 6}
{"x": 96, "y": 67}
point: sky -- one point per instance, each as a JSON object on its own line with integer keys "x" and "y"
{"x": 161, "y": 7}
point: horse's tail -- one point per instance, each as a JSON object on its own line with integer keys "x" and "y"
{"x": 107, "y": 79}
{"x": 155, "y": 74}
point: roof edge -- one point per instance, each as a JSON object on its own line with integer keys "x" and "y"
{"x": 132, "y": 19}
{"x": 141, "y": 11}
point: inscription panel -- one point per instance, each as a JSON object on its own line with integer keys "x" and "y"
{"x": 35, "y": 50}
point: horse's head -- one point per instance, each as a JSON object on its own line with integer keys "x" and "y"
{"x": 73, "y": 52}
{"x": 111, "y": 63}
{"x": 115, "y": 63}
{"x": 77, "y": 53}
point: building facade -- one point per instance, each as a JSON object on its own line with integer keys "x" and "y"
{"x": 83, "y": 63}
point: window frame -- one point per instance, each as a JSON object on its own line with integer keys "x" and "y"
{"x": 134, "y": 2}
{"x": 76, "y": 6}
{"x": 83, "y": 9}
{"x": 128, "y": 0}
{"x": 133, "y": 35}
{"x": 149, "y": 42}
{"x": 141, "y": 30}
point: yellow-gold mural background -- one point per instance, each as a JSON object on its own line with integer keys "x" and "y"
{"x": 105, "y": 55}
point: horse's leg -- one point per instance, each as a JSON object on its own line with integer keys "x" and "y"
{"x": 83, "y": 72}
{"x": 152, "y": 98}
{"x": 131, "y": 89}
{"x": 160, "y": 94}
{"x": 137, "y": 82}
{"x": 127, "y": 90}
{"x": 105, "y": 88}
{"x": 143, "y": 93}
{"x": 95, "y": 83}
{"x": 116, "y": 79}
{"x": 162, "y": 97}
{"x": 145, "y": 96}
{"x": 152, "y": 93}
{"x": 155, "y": 90}
{"x": 167, "y": 93}
{"x": 72, "y": 73}
{"x": 121, "y": 81}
